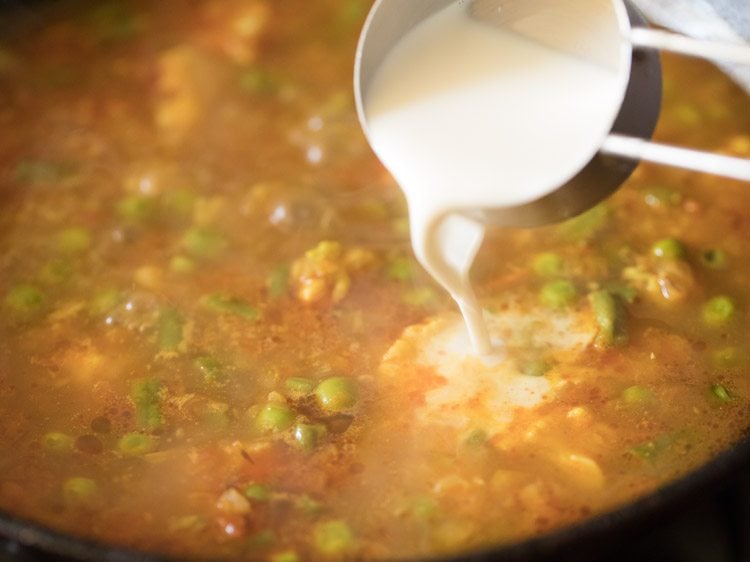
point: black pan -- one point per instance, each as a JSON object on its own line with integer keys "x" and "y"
{"x": 719, "y": 490}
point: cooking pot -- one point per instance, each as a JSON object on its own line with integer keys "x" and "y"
{"x": 607, "y": 536}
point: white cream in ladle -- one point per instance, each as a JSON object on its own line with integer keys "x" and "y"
{"x": 458, "y": 113}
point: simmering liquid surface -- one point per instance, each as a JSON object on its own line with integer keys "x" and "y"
{"x": 467, "y": 116}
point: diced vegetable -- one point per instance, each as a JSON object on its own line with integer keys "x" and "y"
{"x": 336, "y": 394}
{"x": 333, "y": 538}
{"x": 721, "y": 392}
{"x": 136, "y": 208}
{"x": 259, "y": 82}
{"x": 637, "y": 395}
{"x": 135, "y": 444}
{"x": 181, "y": 264}
{"x": 170, "y": 329}
{"x": 275, "y": 417}
{"x": 548, "y": 264}
{"x": 146, "y": 396}
{"x": 669, "y": 248}
{"x": 558, "y": 294}
{"x": 400, "y": 269}
{"x": 424, "y": 508}
{"x": 662, "y": 196}
{"x": 285, "y": 556}
{"x": 535, "y": 367}
{"x": 105, "y": 300}
{"x": 42, "y": 171}
{"x": 476, "y": 437}
{"x": 278, "y": 281}
{"x": 25, "y": 298}
{"x": 227, "y": 304}
{"x": 610, "y": 316}
{"x": 56, "y": 271}
{"x": 650, "y": 450}
{"x": 80, "y": 491}
{"x": 211, "y": 369}
{"x": 73, "y": 240}
{"x": 307, "y": 436}
{"x": 728, "y": 357}
{"x": 587, "y": 225}
{"x": 714, "y": 259}
{"x": 299, "y": 386}
{"x": 203, "y": 242}
{"x": 57, "y": 442}
{"x": 258, "y": 492}
{"x": 718, "y": 311}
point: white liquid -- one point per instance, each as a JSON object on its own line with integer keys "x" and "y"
{"x": 466, "y": 116}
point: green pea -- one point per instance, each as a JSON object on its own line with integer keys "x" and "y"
{"x": 81, "y": 491}
{"x": 610, "y": 316}
{"x": 135, "y": 444}
{"x": 336, "y": 394}
{"x": 24, "y": 298}
{"x": 285, "y": 556}
{"x": 299, "y": 386}
{"x": 307, "y": 436}
{"x": 669, "y": 248}
{"x": 727, "y": 357}
{"x": 558, "y": 294}
{"x": 548, "y": 265}
{"x": 535, "y": 368}
{"x": 400, "y": 269}
{"x": 73, "y": 240}
{"x": 661, "y": 196}
{"x": 228, "y": 304}
{"x": 203, "y": 242}
{"x": 718, "y": 311}
{"x": 105, "y": 300}
{"x": 258, "y": 492}
{"x": 721, "y": 392}
{"x": 333, "y": 538}
{"x": 275, "y": 417}
{"x": 57, "y": 442}
{"x": 258, "y": 81}
{"x": 714, "y": 259}
{"x": 56, "y": 272}
{"x": 181, "y": 265}
{"x": 638, "y": 396}
{"x": 135, "y": 208}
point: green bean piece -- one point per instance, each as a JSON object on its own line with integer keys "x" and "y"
{"x": 424, "y": 508}
{"x": 400, "y": 269}
{"x": 258, "y": 492}
{"x": 558, "y": 294}
{"x": 333, "y": 538}
{"x": 721, "y": 392}
{"x": 669, "y": 248}
{"x": 181, "y": 265}
{"x": 277, "y": 282}
{"x": 336, "y": 394}
{"x": 274, "y": 417}
{"x": 535, "y": 368}
{"x": 135, "y": 444}
{"x": 718, "y": 311}
{"x": 73, "y": 240}
{"x": 714, "y": 259}
{"x": 609, "y": 313}
{"x": 258, "y": 81}
{"x": 227, "y": 304}
{"x": 307, "y": 436}
{"x": 637, "y": 395}
{"x": 170, "y": 327}
{"x": 135, "y": 208}
{"x": 146, "y": 396}
{"x": 298, "y": 386}
{"x": 24, "y": 299}
{"x": 81, "y": 491}
{"x": 211, "y": 369}
{"x": 57, "y": 442}
{"x": 548, "y": 264}
{"x": 203, "y": 243}
{"x": 285, "y": 556}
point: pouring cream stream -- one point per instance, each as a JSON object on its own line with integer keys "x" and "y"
{"x": 459, "y": 113}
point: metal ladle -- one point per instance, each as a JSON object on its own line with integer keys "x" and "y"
{"x": 607, "y": 32}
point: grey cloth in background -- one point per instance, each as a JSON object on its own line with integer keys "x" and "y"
{"x": 720, "y": 20}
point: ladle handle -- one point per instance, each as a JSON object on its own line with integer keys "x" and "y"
{"x": 642, "y": 37}
{"x": 634, "y": 148}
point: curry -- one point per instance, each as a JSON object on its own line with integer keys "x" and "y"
{"x": 214, "y": 337}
